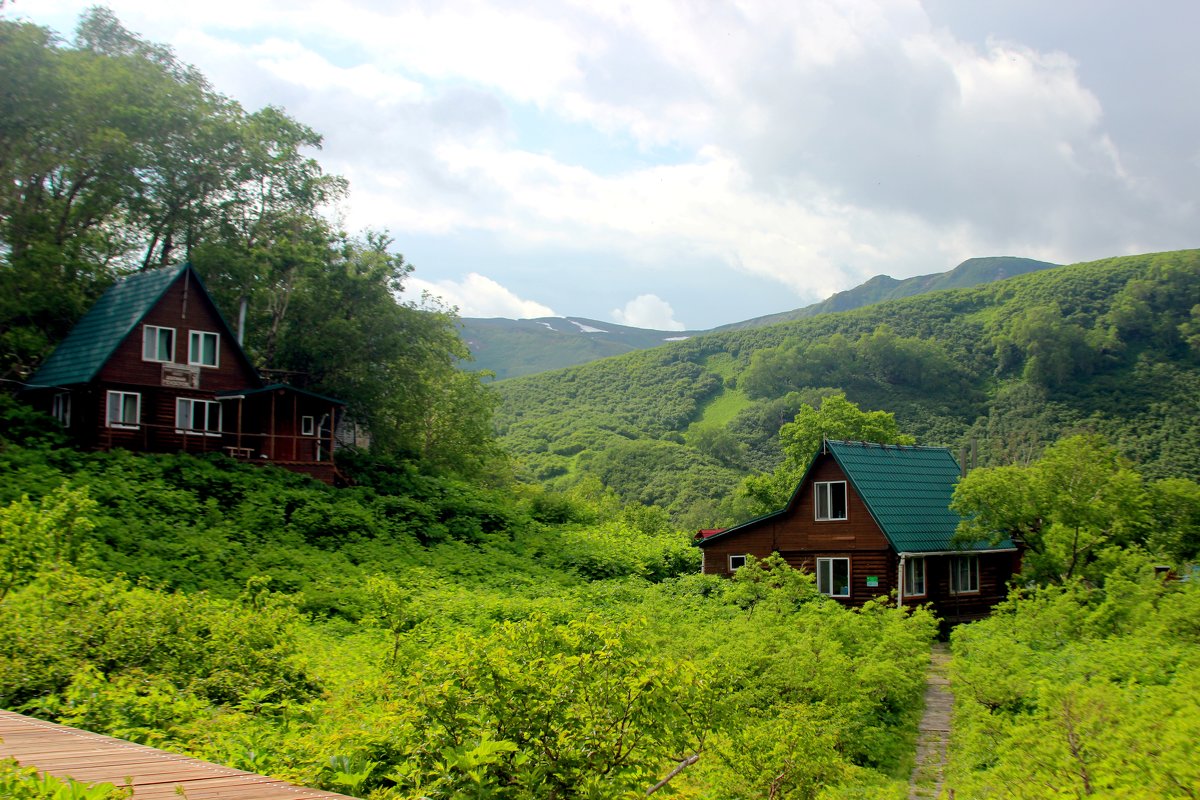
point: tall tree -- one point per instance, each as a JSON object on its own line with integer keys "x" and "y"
{"x": 1077, "y": 499}
{"x": 836, "y": 418}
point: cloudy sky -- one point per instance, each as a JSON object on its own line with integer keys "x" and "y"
{"x": 688, "y": 164}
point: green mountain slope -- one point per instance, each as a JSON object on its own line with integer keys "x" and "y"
{"x": 1110, "y": 346}
{"x": 972, "y": 272}
{"x": 510, "y": 348}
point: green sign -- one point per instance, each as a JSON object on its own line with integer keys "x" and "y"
{"x": 872, "y": 581}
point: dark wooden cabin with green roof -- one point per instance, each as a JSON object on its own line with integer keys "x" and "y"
{"x": 154, "y": 367}
{"x": 871, "y": 520}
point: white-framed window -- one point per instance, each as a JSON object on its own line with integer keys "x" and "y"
{"x": 60, "y": 407}
{"x": 914, "y": 576}
{"x": 308, "y": 426}
{"x": 833, "y": 576}
{"x": 830, "y": 500}
{"x": 158, "y": 344}
{"x": 736, "y": 562}
{"x": 964, "y": 574}
{"x": 203, "y": 349}
{"x": 124, "y": 409}
{"x": 201, "y": 417}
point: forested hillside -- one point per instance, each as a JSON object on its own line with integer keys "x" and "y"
{"x": 971, "y": 272}
{"x": 1110, "y": 346}
{"x": 509, "y": 348}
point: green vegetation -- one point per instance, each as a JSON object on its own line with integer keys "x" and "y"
{"x": 25, "y": 783}
{"x": 419, "y": 637}
{"x": 1077, "y": 691}
{"x": 1002, "y": 370}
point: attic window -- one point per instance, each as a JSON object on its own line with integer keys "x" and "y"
{"x": 158, "y": 344}
{"x": 830, "y": 500}
{"x": 202, "y": 349}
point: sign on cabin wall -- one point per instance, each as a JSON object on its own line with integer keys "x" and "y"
{"x": 872, "y": 581}
{"x": 180, "y": 376}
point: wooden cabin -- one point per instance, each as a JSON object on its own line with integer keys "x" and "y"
{"x": 154, "y": 367}
{"x": 871, "y": 520}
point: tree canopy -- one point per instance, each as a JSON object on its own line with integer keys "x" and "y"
{"x": 116, "y": 157}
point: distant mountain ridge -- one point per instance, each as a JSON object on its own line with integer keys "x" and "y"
{"x": 972, "y": 272}
{"x": 513, "y": 347}
{"x": 510, "y": 348}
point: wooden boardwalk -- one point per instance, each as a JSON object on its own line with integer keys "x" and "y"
{"x": 934, "y": 731}
{"x": 91, "y": 758}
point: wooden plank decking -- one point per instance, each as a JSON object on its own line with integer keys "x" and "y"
{"x": 92, "y": 758}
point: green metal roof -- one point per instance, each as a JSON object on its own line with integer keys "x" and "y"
{"x": 908, "y": 492}
{"x": 906, "y": 489}
{"x": 98, "y": 333}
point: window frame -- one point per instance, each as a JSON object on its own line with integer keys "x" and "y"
{"x": 60, "y": 408}
{"x": 826, "y": 562}
{"x": 308, "y": 426}
{"x": 191, "y": 429}
{"x": 193, "y": 337}
{"x": 972, "y": 573}
{"x": 121, "y": 423}
{"x": 910, "y": 574}
{"x": 157, "y": 331}
{"x": 825, "y": 488}
{"x": 732, "y": 566}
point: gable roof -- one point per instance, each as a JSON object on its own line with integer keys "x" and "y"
{"x": 906, "y": 489}
{"x": 92, "y": 342}
{"x": 98, "y": 333}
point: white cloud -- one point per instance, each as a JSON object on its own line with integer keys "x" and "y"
{"x": 810, "y": 143}
{"x": 647, "y": 311}
{"x": 479, "y": 296}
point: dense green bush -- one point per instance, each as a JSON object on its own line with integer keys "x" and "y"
{"x": 1071, "y": 691}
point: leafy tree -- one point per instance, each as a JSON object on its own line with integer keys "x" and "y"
{"x": 117, "y": 156}
{"x": 1175, "y": 532}
{"x": 1054, "y": 350}
{"x": 837, "y": 418}
{"x": 1080, "y": 497}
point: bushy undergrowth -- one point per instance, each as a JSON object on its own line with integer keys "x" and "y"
{"x": 1071, "y": 691}
{"x": 418, "y": 637}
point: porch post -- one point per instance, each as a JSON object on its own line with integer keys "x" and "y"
{"x": 332, "y": 428}
{"x": 900, "y": 584}
{"x": 295, "y": 422}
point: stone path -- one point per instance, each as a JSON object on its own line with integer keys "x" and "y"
{"x": 934, "y": 731}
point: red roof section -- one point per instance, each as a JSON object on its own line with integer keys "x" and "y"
{"x": 704, "y": 533}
